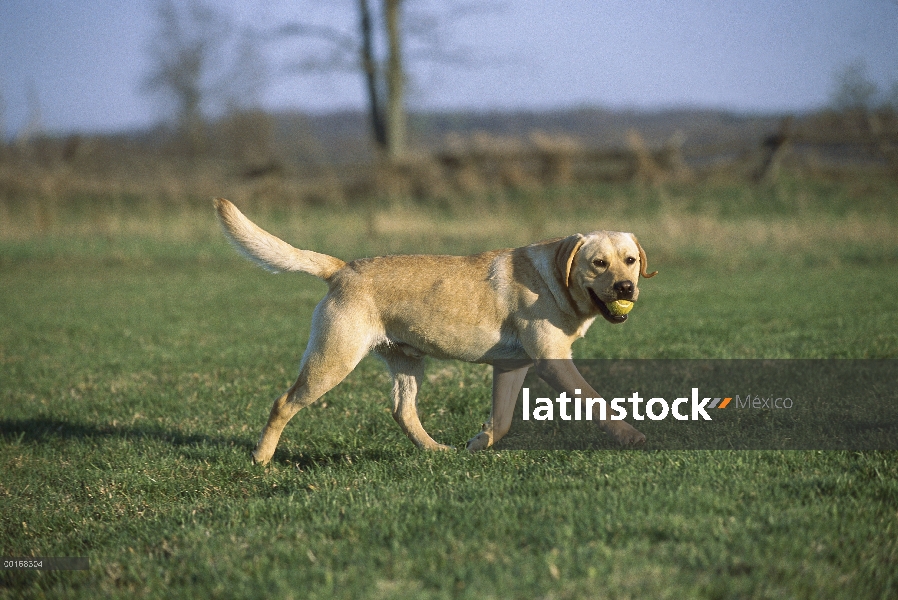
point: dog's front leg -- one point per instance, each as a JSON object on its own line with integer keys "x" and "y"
{"x": 563, "y": 376}
{"x": 506, "y": 386}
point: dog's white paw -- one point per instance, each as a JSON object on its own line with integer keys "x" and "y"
{"x": 479, "y": 442}
{"x": 258, "y": 459}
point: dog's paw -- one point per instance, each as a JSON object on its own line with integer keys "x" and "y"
{"x": 632, "y": 439}
{"x": 479, "y": 442}
{"x": 636, "y": 440}
{"x": 628, "y": 436}
{"x": 259, "y": 460}
{"x": 432, "y": 445}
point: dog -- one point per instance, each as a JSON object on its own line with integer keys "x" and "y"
{"x": 513, "y": 309}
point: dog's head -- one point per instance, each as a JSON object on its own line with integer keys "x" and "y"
{"x": 601, "y": 267}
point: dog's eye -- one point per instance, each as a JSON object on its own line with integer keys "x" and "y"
{"x": 598, "y": 262}
{"x": 631, "y": 260}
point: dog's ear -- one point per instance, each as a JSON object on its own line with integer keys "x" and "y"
{"x": 643, "y": 261}
{"x": 564, "y": 256}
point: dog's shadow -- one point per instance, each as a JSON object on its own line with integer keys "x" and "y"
{"x": 41, "y": 430}
{"x": 193, "y": 446}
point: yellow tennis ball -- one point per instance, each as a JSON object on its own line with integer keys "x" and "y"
{"x": 619, "y": 307}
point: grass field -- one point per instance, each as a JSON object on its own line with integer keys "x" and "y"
{"x": 139, "y": 356}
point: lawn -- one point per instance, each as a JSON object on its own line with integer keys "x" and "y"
{"x": 138, "y": 362}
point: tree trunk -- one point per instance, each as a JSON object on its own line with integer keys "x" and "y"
{"x": 395, "y": 121}
{"x": 369, "y": 65}
{"x": 773, "y": 149}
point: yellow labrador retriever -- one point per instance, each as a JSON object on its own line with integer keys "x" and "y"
{"x": 512, "y": 308}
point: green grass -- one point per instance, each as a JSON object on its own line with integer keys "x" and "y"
{"x": 137, "y": 369}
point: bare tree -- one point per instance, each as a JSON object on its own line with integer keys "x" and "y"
{"x": 892, "y": 97}
{"x": 853, "y": 89}
{"x": 35, "y": 124}
{"x": 185, "y": 72}
{"x": 377, "y": 49}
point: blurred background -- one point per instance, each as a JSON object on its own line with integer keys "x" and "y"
{"x": 305, "y": 103}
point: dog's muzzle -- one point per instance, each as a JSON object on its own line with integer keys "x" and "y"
{"x": 603, "y": 309}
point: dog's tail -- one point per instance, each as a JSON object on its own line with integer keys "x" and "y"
{"x": 268, "y": 251}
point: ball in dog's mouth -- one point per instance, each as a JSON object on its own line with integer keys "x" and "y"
{"x": 619, "y": 308}
{"x": 605, "y": 308}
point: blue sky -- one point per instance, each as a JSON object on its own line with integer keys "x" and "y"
{"x": 83, "y": 61}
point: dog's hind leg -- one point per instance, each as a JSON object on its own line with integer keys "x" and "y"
{"x": 335, "y": 348}
{"x": 408, "y": 372}
{"x": 296, "y": 398}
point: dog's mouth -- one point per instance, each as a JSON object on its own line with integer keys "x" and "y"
{"x": 603, "y": 309}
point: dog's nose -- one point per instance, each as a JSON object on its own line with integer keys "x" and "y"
{"x": 624, "y": 289}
